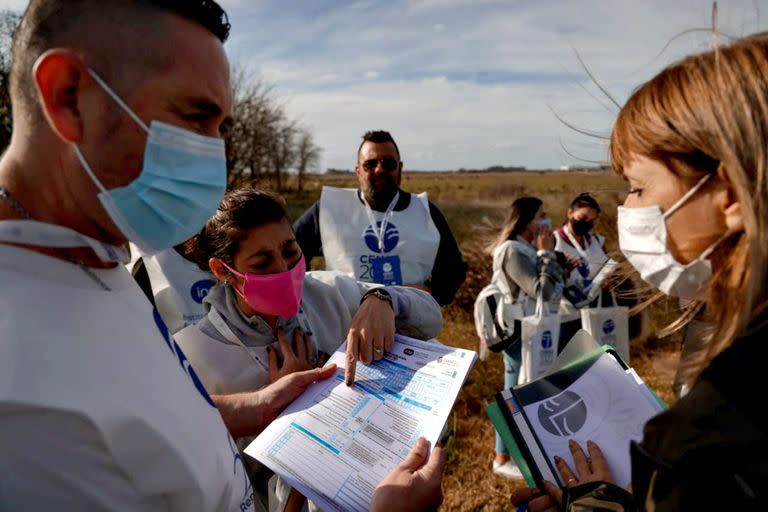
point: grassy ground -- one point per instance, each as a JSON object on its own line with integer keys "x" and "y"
{"x": 475, "y": 205}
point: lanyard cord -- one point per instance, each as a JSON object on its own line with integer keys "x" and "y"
{"x": 384, "y": 221}
{"x": 582, "y": 252}
{"x": 4, "y": 194}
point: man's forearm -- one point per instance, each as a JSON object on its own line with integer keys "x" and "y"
{"x": 244, "y": 414}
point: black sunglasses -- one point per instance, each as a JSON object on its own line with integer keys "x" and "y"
{"x": 388, "y": 163}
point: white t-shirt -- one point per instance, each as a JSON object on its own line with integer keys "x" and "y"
{"x": 99, "y": 409}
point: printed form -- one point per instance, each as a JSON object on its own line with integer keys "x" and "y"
{"x": 335, "y": 443}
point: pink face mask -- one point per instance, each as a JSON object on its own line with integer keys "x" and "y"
{"x": 273, "y": 294}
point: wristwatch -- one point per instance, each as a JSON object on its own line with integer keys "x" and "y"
{"x": 380, "y": 293}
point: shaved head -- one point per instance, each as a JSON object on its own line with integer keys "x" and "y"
{"x": 122, "y": 40}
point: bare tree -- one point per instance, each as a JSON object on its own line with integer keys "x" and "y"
{"x": 249, "y": 137}
{"x": 307, "y": 156}
{"x": 282, "y": 150}
{"x": 8, "y": 22}
{"x": 262, "y": 141}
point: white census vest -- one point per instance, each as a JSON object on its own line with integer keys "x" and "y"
{"x": 579, "y": 281}
{"x": 102, "y": 356}
{"x": 593, "y": 253}
{"x": 351, "y": 246}
{"x": 179, "y": 287}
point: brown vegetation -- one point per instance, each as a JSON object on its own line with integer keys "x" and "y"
{"x": 474, "y": 204}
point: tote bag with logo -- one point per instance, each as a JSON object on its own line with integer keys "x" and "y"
{"x": 608, "y": 326}
{"x": 540, "y": 335}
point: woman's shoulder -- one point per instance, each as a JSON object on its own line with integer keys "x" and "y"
{"x": 326, "y": 286}
{"x": 512, "y": 246}
{"x": 516, "y": 248}
{"x": 192, "y": 336}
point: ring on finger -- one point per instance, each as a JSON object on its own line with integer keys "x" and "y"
{"x": 571, "y": 480}
{"x": 378, "y": 350}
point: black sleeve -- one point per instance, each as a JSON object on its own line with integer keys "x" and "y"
{"x": 307, "y": 231}
{"x": 449, "y": 270}
{"x": 140, "y": 275}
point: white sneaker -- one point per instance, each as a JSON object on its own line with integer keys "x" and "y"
{"x": 508, "y": 470}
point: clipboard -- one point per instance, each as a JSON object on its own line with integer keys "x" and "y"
{"x": 507, "y": 412}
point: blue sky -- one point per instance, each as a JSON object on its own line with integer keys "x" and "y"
{"x": 465, "y": 83}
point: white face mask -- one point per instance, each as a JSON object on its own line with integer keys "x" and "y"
{"x": 643, "y": 240}
{"x": 543, "y": 223}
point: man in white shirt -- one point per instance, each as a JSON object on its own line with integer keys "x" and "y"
{"x": 117, "y": 110}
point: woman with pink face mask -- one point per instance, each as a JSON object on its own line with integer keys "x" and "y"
{"x": 266, "y": 318}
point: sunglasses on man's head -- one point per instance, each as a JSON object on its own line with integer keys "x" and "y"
{"x": 388, "y": 163}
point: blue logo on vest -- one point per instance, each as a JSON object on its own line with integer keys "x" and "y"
{"x": 200, "y": 289}
{"x": 546, "y": 339}
{"x": 391, "y": 238}
{"x": 564, "y": 414}
{"x": 608, "y": 326}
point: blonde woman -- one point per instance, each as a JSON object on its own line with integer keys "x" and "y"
{"x": 693, "y": 145}
{"x": 524, "y": 262}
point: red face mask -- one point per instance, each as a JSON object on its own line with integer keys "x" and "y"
{"x": 273, "y": 294}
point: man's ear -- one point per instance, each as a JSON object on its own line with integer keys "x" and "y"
{"x": 729, "y": 204}
{"x": 218, "y": 269}
{"x": 59, "y": 78}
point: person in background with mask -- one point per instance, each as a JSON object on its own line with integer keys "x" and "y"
{"x": 381, "y": 233}
{"x": 524, "y": 258}
{"x": 691, "y": 143}
{"x": 585, "y": 252}
{"x": 117, "y": 112}
{"x": 264, "y": 299}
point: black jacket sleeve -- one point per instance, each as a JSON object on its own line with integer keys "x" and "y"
{"x": 449, "y": 270}
{"x": 140, "y": 275}
{"x": 307, "y": 231}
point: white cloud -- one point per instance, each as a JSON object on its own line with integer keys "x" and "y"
{"x": 13, "y": 5}
{"x": 467, "y": 83}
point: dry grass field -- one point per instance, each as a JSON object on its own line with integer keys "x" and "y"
{"x": 475, "y": 204}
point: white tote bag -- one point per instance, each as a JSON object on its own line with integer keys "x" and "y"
{"x": 540, "y": 335}
{"x": 608, "y": 326}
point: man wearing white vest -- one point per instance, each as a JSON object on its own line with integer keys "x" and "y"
{"x": 117, "y": 112}
{"x": 381, "y": 233}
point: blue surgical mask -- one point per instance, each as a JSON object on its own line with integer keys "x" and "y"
{"x": 180, "y": 186}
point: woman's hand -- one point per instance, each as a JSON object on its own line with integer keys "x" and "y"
{"x": 536, "y": 500}
{"x": 299, "y": 358}
{"x": 573, "y": 261}
{"x": 592, "y": 468}
{"x": 371, "y": 334}
{"x": 545, "y": 240}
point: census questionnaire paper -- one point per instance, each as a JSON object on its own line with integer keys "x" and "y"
{"x": 336, "y": 443}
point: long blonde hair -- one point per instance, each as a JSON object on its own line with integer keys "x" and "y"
{"x": 522, "y": 211}
{"x": 709, "y": 114}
